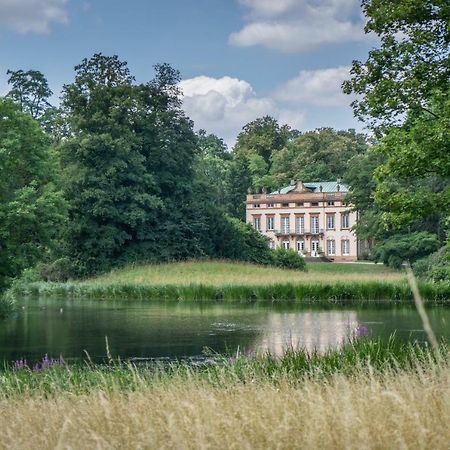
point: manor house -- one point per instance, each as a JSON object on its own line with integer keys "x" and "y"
{"x": 308, "y": 217}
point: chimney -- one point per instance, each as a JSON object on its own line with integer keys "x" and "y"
{"x": 321, "y": 188}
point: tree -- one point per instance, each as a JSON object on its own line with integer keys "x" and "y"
{"x": 263, "y": 136}
{"x": 111, "y": 194}
{"x": 32, "y": 209}
{"x": 318, "y": 155}
{"x": 411, "y": 64}
{"x": 30, "y": 91}
{"x": 403, "y": 90}
{"x": 211, "y": 166}
{"x": 239, "y": 181}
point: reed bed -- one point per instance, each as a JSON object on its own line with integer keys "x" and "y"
{"x": 308, "y": 293}
{"x": 367, "y": 395}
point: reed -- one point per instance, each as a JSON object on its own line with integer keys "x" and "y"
{"x": 319, "y": 293}
{"x": 356, "y": 357}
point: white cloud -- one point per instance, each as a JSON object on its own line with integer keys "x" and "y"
{"x": 299, "y": 25}
{"x": 312, "y": 99}
{"x": 316, "y": 87}
{"x": 32, "y": 16}
{"x": 224, "y": 105}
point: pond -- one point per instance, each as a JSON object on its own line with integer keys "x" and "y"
{"x": 139, "y": 330}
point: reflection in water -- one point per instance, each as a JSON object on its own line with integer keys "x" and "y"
{"x": 319, "y": 331}
{"x": 141, "y": 330}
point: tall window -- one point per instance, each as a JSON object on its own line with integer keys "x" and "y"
{"x": 300, "y": 224}
{"x": 285, "y": 226}
{"x": 272, "y": 244}
{"x": 345, "y": 220}
{"x": 330, "y": 221}
{"x": 270, "y": 222}
{"x": 285, "y": 245}
{"x": 345, "y": 247}
{"x": 257, "y": 223}
{"x": 315, "y": 225}
{"x": 300, "y": 245}
{"x": 331, "y": 247}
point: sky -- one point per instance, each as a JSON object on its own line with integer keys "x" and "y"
{"x": 239, "y": 59}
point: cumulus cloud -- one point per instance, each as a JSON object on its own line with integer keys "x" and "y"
{"x": 316, "y": 87}
{"x": 224, "y": 105}
{"x": 32, "y": 16}
{"x": 299, "y": 25}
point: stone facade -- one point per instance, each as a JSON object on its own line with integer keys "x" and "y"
{"x": 310, "y": 218}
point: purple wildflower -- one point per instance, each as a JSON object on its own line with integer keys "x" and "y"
{"x": 361, "y": 331}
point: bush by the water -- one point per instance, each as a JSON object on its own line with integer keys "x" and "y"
{"x": 6, "y": 305}
{"x": 409, "y": 247}
{"x": 435, "y": 267}
{"x": 288, "y": 259}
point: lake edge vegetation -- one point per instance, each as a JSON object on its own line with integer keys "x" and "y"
{"x": 393, "y": 390}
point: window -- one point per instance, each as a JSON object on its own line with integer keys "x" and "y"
{"x": 300, "y": 204}
{"x": 285, "y": 205}
{"x": 256, "y": 205}
{"x": 330, "y": 203}
{"x": 257, "y": 223}
{"x": 285, "y": 226}
{"x": 285, "y": 245}
{"x": 270, "y": 222}
{"x": 300, "y": 224}
{"x": 330, "y": 221}
{"x": 345, "y": 220}
{"x": 272, "y": 244}
{"x": 271, "y": 205}
{"x": 331, "y": 247}
{"x": 300, "y": 245}
{"x": 315, "y": 224}
{"x": 314, "y": 204}
{"x": 345, "y": 247}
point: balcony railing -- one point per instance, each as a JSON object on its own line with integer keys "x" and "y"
{"x": 298, "y": 232}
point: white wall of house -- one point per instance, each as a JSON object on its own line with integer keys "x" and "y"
{"x": 343, "y": 242}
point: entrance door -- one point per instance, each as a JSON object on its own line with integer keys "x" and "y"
{"x": 314, "y": 248}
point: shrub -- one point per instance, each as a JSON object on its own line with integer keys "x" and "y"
{"x": 410, "y": 247}
{"x": 288, "y": 259}
{"x": 435, "y": 267}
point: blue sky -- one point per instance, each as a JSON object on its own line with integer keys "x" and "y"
{"x": 240, "y": 59}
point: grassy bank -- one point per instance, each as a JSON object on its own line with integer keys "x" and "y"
{"x": 237, "y": 282}
{"x": 220, "y": 273}
{"x": 368, "y": 395}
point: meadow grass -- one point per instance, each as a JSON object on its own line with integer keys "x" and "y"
{"x": 370, "y": 394}
{"x": 324, "y": 283}
{"x": 220, "y": 273}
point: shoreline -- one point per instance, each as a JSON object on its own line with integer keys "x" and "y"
{"x": 346, "y": 293}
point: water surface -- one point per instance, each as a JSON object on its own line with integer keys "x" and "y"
{"x": 143, "y": 329}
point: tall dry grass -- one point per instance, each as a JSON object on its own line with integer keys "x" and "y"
{"x": 404, "y": 410}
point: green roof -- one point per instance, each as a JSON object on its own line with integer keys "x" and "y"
{"x": 327, "y": 186}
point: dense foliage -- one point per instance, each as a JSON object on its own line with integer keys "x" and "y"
{"x": 403, "y": 95}
{"x": 32, "y": 208}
